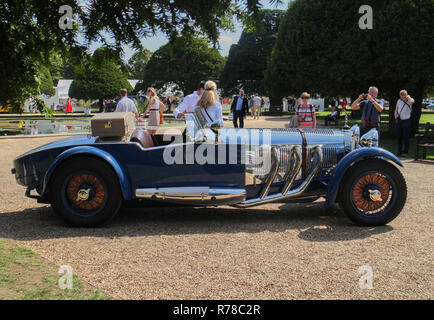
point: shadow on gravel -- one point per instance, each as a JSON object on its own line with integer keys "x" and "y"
{"x": 313, "y": 223}
{"x": 425, "y": 161}
{"x": 280, "y": 119}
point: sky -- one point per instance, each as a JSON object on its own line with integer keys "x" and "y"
{"x": 226, "y": 39}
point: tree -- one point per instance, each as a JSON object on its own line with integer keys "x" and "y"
{"x": 320, "y": 48}
{"x": 64, "y": 65}
{"x": 46, "y": 85}
{"x": 183, "y": 63}
{"x": 248, "y": 59}
{"x": 137, "y": 63}
{"x": 31, "y": 29}
{"x": 100, "y": 78}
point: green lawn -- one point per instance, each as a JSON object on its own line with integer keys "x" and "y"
{"x": 25, "y": 275}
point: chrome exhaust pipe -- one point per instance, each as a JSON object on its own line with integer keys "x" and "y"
{"x": 193, "y": 195}
{"x": 318, "y": 158}
{"x": 272, "y": 175}
{"x": 293, "y": 171}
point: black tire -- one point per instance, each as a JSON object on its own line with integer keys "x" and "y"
{"x": 85, "y": 192}
{"x": 373, "y": 193}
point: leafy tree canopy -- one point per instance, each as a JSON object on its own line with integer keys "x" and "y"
{"x": 137, "y": 63}
{"x": 101, "y": 77}
{"x": 321, "y": 49}
{"x": 183, "y": 62}
{"x": 248, "y": 59}
{"x": 29, "y": 30}
{"x": 46, "y": 85}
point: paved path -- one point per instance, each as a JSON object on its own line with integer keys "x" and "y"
{"x": 275, "y": 251}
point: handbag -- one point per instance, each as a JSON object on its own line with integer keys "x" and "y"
{"x": 293, "y": 122}
{"x": 161, "y": 113}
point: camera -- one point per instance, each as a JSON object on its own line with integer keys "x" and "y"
{"x": 365, "y": 96}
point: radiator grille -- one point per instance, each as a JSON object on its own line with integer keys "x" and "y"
{"x": 330, "y": 157}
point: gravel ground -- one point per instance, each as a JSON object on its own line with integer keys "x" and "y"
{"x": 275, "y": 251}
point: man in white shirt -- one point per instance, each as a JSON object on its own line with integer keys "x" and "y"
{"x": 256, "y": 106}
{"x": 126, "y": 104}
{"x": 189, "y": 103}
{"x": 403, "y": 121}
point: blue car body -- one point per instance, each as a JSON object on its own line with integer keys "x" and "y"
{"x": 141, "y": 168}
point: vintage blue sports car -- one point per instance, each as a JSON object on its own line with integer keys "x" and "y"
{"x": 87, "y": 178}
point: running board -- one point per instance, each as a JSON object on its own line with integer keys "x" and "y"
{"x": 286, "y": 193}
{"x": 193, "y": 195}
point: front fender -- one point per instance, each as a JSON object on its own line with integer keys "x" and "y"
{"x": 87, "y": 150}
{"x": 347, "y": 162}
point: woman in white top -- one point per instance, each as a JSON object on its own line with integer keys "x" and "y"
{"x": 154, "y": 111}
{"x": 210, "y": 106}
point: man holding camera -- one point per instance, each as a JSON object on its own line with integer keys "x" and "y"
{"x": 403, "y": 121}
{"x": 371, "y": 109}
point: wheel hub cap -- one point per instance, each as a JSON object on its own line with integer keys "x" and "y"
{"x": 83, "y": 195}
{"x": 375, "y": 195}
{"x": 371, "y": 193}
{"x": 85, "y": 192}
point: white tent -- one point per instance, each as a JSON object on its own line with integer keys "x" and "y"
{"x": 62, "y": 94}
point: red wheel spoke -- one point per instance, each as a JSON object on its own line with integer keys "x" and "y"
{"x": 91, "y": 182}
{"x": 362, "y": 187}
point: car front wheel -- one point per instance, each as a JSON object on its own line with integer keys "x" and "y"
{"x": 85, "y": 192}
{"x": 373, "y": 193}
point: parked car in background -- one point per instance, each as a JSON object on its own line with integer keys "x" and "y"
{"x": 111, "y": 106}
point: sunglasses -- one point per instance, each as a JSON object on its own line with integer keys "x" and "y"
{"x": 305, "y": 98}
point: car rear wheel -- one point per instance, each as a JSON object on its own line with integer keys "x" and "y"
{"x": 85, "y": 192}
{"x": 373, "y": 193}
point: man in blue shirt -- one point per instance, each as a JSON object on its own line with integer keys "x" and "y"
{"x": 239, "y": 108}
{"x": 371, "y": 110}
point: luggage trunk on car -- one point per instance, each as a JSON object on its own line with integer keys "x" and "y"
{"x": 113, "y": 125}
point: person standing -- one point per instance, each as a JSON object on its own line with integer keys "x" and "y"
{"x": 305, "y": 112}
{"x": 371, "y": 110}
{"x": 126, "y": 104}
{"x": 154, "y": 108}
{"x": 189, "y": 103}
{"x": 239, "y": 108}
{"x": 251, "y": 104}
{"x": 210, "y": 106}
{"x": 403, "y": 121}
{"x": 68, "y": 106}
{"x": 169, "y": 104}
{"x": 256, "y": 107}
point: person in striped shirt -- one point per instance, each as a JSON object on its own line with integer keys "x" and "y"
{"x": 306, "y": 112}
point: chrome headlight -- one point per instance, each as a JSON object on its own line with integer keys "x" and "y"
{"x": 355, "y": 139}
{"x": 370, "y": 139}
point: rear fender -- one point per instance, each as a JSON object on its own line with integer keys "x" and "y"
{"x": 95, "y": 152}
{"x": 347, "y": 162}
